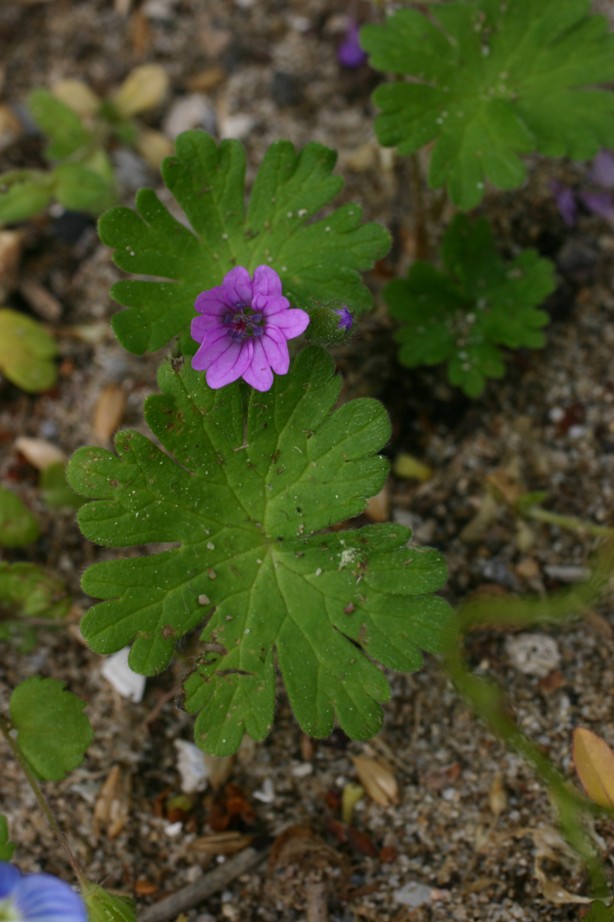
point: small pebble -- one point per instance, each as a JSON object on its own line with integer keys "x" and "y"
{"x": 533, "y": 654}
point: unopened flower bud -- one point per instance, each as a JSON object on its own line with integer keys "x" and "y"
{"x": 330, "y": 323}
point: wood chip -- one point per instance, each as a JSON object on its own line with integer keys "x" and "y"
{"x": 113, "y": 803}
{"x": 378, "y": 780}
{"x": 39, "y": 453}
{"x": 108, "y": 412}
{"x": 11, "y": 245}
{"x": 222, "y": 843}
{"x": 40, "y": 300}
{"x": 378, "y": 507}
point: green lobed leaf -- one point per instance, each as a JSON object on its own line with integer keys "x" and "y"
{"x": 27, "y": 352}
{"x": 599, "y": 912}
{"x": 53, "y": 733}
{"x": 492, "y": 80}
{"x": 24, "y": 193}
{"x": 461, "y": 315}
{"x": 18, "y": 526}
{"x": 315, "y": 259}
{"x": 65, "y": 130}
{"x": 6, "y": 846}
{"x": 249, "y": 483}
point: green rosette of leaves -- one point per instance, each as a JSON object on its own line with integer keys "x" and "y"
{"x": 490, "y": 80}
{"x": 463, "y": 313}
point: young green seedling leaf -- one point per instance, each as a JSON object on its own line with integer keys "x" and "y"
{"x": 28, "y": 594}
{"x": 6, "y": 846}
{"x": 249, "y": 483}
{"x": 65, "y": 130}
{"x": 461, "y": 315}
{"x": 315, "y": 259}
{"x": 492, "y": 80}
{"x": 27, "y": 352}
{"x": 18, "y": 526}
{"x": 55, "y": 490}
{"x": 103, "y": 906}
{"x": 53, "y": 733}
{"x": 24, "y": 193}
{"x": 81, "y": 189}
{"x": 594, "y": 762}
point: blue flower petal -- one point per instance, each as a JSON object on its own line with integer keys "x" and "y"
{"x": 43, "y": 898}
{"x": 9, "y": 878}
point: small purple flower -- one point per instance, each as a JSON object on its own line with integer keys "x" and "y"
{"x": 602, "y": 170}
{"x": 599, "y": 203}
{"x": 565, "y": 201}
{"x": 346, "y": 321}
{"x": 243, "y": 329}
{"x": 349, "y": 52}
{"x": 37, "y": 898}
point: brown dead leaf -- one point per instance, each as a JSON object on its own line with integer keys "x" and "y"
{"x": 299, "y": 846}
{"x": 378, "y": 780}
{"x": 108, "y": 412}
{"x": 113, "y": 803}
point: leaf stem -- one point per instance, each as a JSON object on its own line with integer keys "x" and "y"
{"x": 487, "y": 701}
{"x": 5, "y": 729}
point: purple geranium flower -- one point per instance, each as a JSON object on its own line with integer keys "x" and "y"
{"x": 243, "y": 329}
{"x": 346, "y": 321}
{"x": 349, "y": 52}
{"x": 37, "y": 898}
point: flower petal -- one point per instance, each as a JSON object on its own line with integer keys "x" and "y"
{"x": 209, "y": 351}
{"x": 266, "y": 282}
{"x": 229, "y": 365}
{"x": 43, "y": 898}
{"x": 9, "y": 878}
{"x": 276, "y": 351}
{"x": 258, "y": 373}
{"x": 206, "y": 326}
{"x": 291, "y": 323}
{"x": 271, "y": 304}
{"x": 213, "y": 301}
{"x": 237, "y": 286}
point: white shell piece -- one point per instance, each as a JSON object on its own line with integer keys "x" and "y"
{"x": 192, "y": 767}
{"x": 129, "y": 684}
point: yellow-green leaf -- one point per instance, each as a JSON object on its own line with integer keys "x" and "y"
{"x": 26, "y": 352}
{"x": 594, "y": 761}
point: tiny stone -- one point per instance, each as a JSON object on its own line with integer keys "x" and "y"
{"x": 413, "y": 894}
{"x": 533, "y": 654}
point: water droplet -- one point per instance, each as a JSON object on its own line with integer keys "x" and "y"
{"x": 211, "y": 545}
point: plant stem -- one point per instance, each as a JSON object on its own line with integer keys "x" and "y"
{"x": 5, "y": 729}
{"x": 569, "y": 522}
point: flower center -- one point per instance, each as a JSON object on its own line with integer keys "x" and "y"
{"x": 8, "y": 911}
{"x": 244, "y": 322}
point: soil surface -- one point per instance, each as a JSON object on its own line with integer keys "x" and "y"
{"x": 463, "y": 830}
